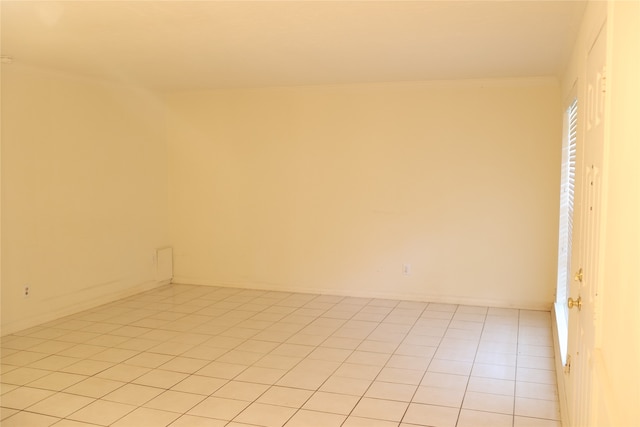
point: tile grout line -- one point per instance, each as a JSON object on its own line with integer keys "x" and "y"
{"x": 344, "y": 361}
{"x": 515, "y": 375}
{"x": 378, "y": 374}
{"x": 297, "y": 364}
{"x": 466, "y": 388}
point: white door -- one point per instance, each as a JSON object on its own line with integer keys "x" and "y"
{"x": 584, "y": 258}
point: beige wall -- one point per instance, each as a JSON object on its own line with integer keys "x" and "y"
{"x": 621, "y": 297}
{"x": 84, "y": 201}
{"x": 333, "y": 189}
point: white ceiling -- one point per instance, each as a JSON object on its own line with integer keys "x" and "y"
{"x": 208, "y": 44}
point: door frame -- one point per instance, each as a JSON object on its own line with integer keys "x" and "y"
{"x": 594, "y": 21}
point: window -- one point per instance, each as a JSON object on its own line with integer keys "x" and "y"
{"x": 567, "y": 191}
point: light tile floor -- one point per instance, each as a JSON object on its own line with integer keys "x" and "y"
{"x": 191, "y": 356}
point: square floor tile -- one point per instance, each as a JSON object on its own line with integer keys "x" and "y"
{"x": 199, "y": 384}
{"x": 491, "y": 385}
{"x": 450, "y": 367}
{"x": 535, "y": 350}
{"x": 387, "y": 410}
{"x": 416, "y": 350}
{"x": 174, "y": 401}
{"x": 82, "y": 351}
{"x": 60, "y": 404}
{"x": 409, "y": 362}
{"x": 115, "y": 355}
{"x": 184, "y": 364}
{"x": 342, "y": 385}
{"x": 241, "y": 390}
{"x": 21, "y": 358}
{"x": 160, "y": 378}
{"x": 53, "y": 362}
{"x": 29, "y": 419}
{"x": 20, "y": 343}
{"x": 455, "y": 354}
{"x": 535, "y": 375}
{"x": 534, "y": 422}
{"x": 353, "y": 370}
{"x": 537, "y": 390}
{"x": 257, "y": 346}
{"x": 94, "y": 387}
{"x": 102, "y": 412}
{"x": 146, "y": 417}
{"x": 256, "y": 374}
{"x": 218, "y": 407}
{"x": 500, "y": 372}
{"x": 265, "y": 415}
{"x": 7, "y": 412}
{"x": 436, "y": 416}
{"x": 537, "y": 408}
{"x": 5, "y": 388}
{"x": 193, "y": 421}
{"x": 368, "y": 358}
{"x": 240, "y": 357}
{"x": 400, "y": 376}
{"x": 378, "y": 346}
{"x": 469, "y": 418}
{"x": 23, "y": 397}
{"x": 71, "y": 423}
{"x": 498, "y": 347}
{"x": 488, "y": 402}
{"x": 489, "y": 358}
{"x": 536, "y": 362}
{"x": 221, "y": 370}
{"x": 440, "y": 380}
{"x": 204, "y": 352}
{"x": 149, "y": 360}
{"x": 22, "y": 376}
{"x": 286, "y": 396}
{"x": 87, "y": 367}
{"x": 306, "y": 418}
{"x": 353, "y": 421}
{"x": 133, "y": 394}
{"x": 276, "y": 361}
{"x": 439, "y": 396}
{"x": 301, "y": 378}
{"x": 123, "y": 373}
{"x": 330, "y": 354}
{"x": 57, "y": 381}
{"x": 391, "y": 391}
{"x": 139, "y": 344}
{"x": 171, "y": 348}
{"x": 331, "y": 402}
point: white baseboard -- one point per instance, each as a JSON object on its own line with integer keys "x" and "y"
{"x": 23, "y": 324}
{"x": 369, "y": 294}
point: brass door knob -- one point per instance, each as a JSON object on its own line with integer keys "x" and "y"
{"x": 575, "y": 303}
{"x": 578, "y": 276}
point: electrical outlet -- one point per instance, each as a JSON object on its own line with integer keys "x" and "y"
{"x": 27, "y": 291}
{"x": 406, "y": 269}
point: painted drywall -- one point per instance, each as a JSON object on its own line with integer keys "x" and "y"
{"x": 84, "y": 202}
{"x": 616, "y": 366}
{"x": 620, "y": 334}
{"x": 333, "y": 189}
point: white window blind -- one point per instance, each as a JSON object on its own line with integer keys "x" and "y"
{"x": 567, "y": 193}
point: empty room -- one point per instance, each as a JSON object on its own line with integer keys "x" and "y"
{"x": 320, "y": 213}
